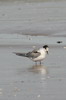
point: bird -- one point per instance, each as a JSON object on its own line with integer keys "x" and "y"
{"x": 37, "y": 55}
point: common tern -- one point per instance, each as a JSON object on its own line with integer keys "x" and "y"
{"x": 36, "y": 55}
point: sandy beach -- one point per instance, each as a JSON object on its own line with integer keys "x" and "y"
{"x": 20, "y": 78}
{"x": 25, "y": 26}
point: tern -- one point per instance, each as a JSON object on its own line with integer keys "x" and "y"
{"x": 36, "y": 55}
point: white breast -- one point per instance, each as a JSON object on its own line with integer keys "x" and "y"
{"x": 42, "y": 56}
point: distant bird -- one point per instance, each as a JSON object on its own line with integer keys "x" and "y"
{"x": 36, "y": 55}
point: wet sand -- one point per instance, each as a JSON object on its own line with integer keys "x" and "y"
{"x": 20, "y": 78}
{"x": 24, "y": 26}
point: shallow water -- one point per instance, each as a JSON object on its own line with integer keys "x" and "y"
{"x": 24, "y": 26}
{"x": 20, "y": 78}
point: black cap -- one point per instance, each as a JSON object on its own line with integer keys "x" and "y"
{"x": 45, "y": 46}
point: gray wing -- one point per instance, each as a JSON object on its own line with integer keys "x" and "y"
{"x": 33, "y": 54}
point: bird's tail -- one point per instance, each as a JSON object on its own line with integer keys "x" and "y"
{"x": 20, "y": 54}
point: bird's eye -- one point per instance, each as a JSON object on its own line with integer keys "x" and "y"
{"x": 35, "y": 52}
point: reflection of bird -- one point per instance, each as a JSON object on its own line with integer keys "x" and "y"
{"x": 36, "y": 55}
{"x": 39, "y": 69}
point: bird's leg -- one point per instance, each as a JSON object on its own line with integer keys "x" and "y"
{"x": 35, "y": 62}
{"x": 40, "y": 62}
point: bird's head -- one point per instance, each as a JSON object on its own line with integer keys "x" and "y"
{"x": 46, "y": 48}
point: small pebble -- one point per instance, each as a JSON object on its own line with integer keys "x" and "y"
{"x": 64, "y": 47}
{"x": 19, "y": 8}
{"x": 59, "y": 42}
{"x": 1, "y": 93}
{"x": 38, "y": 96}
{"x": 22, "y": 81}
{"x": 48, "y": 77}
{"x": 34, "y": 46}
{"x": 15, "y": 95}
{"x": 16, "y": 89}
{"x": 0, "y": 89}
